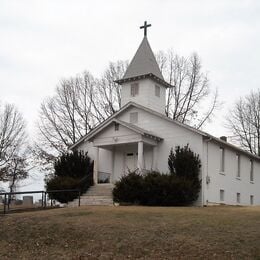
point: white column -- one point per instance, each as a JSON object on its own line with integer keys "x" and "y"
{"x": 140, "y": 159}
{"x": 96, "y": 164}
{"x": 155, "y": 158}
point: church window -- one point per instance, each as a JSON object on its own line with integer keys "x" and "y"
{"x": 134, "y": 89}
{"x": 222, "y": 159}
{"x": 222, "y": 195}
{"x": 251, "y": 200}
{"x": 116, "y": 126}
{"x": 238, "y": 165}
{"x": 157, "y": 91}
{"x": 133, "y": 117}
{"x": 238, "y": 197}
{"x": 251, "y": 170}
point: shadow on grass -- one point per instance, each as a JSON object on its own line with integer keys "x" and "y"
{"x": 21, "y": 210}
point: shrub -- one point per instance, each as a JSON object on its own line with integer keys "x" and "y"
{"x": 183, "y": 191}
{"x": 178, "y": 188}
{"x": 63, "y": 183}
{"x": 154, "y": 189}
{"x": 75, "y": 165}
{"x": 184, "y": 163}
{"x": 129, "y": 188}
{"x": 72, "y": 171}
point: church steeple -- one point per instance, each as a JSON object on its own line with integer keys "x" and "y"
{"x": 143, "y": 63}
{"x": 143, "y": 81}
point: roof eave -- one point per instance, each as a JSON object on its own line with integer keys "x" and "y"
{"x": 229, "y": 145}
{"x": 149, "y": 75}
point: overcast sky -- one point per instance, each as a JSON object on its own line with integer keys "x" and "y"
{"x": 44, "y": 41}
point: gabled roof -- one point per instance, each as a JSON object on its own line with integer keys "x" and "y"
{"x": 143, "y": 62}
{"x": 205, "y": 135}
{"x": 138, "y": 129}
{"x": 125, "y": 107}
{"x": 132, "y": 127}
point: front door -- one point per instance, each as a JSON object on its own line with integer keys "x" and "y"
{"x": 130, "y": 162}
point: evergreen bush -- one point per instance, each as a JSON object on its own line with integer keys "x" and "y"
{"x": 129, "y": 188}
{"x": 71, "y": 171}
{"x": 183, "y": 162}
{"x": 178, "y": 188}
{"x": 185, "y": 165}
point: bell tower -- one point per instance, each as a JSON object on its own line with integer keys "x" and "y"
{"x": 143, "y": 82}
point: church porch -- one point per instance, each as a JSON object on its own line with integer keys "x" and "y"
{"x": 114, "y": 160}
{"x": 120, "y": 147}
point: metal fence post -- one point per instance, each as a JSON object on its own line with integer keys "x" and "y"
{"x": 79, "y": 198}
{"x": 42, "y": 199}
{"x": 5, "y": 204}
{"x": 9, "y": 200}
{"x": 45, "y": 200}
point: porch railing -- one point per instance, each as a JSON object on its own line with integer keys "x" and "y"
{"x": 104, "y": 177}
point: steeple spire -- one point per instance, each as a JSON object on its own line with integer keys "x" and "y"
{"x": 145, "y": 26}
{"x": 143, "y": 62}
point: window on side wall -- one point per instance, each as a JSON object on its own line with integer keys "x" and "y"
{"x": 221, "y": 195}
{"x": 251, "y": 200}
{"x": 157, "y": 91}
{"x": 251, "y": 170}
{"x": 238, "y": 198}
{"x": 238, "y": 165}
{"x": 222, "y": 159}
{"x": 134, "y": 117}
{"x": 134, "y": 89}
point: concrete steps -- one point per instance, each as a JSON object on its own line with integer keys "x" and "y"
{"x": 99, "y": 194}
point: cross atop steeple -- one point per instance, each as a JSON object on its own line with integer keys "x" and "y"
{"x": 145, "y": 26}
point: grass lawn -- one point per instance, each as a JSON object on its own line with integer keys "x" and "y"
{"x": 132, "y": 232}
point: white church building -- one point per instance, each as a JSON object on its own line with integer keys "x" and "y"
{"x": 140, "y": 136}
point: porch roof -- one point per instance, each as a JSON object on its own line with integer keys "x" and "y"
{"x": 132, "y": 127}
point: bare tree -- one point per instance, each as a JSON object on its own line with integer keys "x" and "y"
{"x": 64, "y": 118}
{"x": 107, "y": 96}
{"x": 244, "y": 121}
{"x": 17, "y": 169}
{"x": 12, "y": 137}
{"x": 79, "y": 104}
{"x": 190, "y": 94}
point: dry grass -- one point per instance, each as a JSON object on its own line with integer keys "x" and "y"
{"x": 132, "y": 232}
